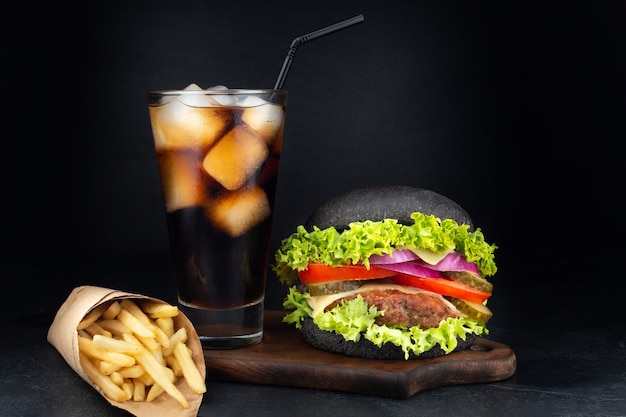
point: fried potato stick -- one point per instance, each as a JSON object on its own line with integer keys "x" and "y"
{"x": 102, "y": 381}
{"x": 190, "y": 371}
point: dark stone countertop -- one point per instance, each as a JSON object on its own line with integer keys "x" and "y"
{"x": 565, "y": 329}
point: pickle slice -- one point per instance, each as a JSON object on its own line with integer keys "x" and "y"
{"x": 476, "y": 311}
{"x": 333, "y": 287}
{"x": 470, "y": 279}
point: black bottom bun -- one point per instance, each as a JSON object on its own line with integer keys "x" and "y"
{"x": 335, "y": 343}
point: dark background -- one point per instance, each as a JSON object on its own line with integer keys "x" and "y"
{"x": 513, "y": 109}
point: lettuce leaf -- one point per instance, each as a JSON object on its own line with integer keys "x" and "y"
{"x": 354, "y": 319}
{"x": 363, "y": 239}
{"x": 298, "y": 302}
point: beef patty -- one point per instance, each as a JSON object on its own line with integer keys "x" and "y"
{"x": 424, "y": 309}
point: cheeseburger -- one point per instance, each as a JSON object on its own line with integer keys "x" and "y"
{"x": 392, "y": 272}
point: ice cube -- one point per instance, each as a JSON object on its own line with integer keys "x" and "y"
{"x": 193, "y": 86}
{"x": 196, "y": 100}
{"x": 177, "y": 126}
{"x": 266, "y": 118}
{"x": 181, "y": 179}
{"x": 224, "y": 100}
{"x": 252, "y": 101}
{"x": 221, "y": 99}
{"x": 240, "y": 210}
{"x": 235, "y": 157}
{"x": 199, "y": 100}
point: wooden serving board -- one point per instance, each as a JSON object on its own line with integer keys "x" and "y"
{"x": 283, "y": 358}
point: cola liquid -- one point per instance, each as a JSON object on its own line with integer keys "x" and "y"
{"x": 214, "y": 269}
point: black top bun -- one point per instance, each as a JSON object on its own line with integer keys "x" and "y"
{"x": 385, "y": 202}
{"x": 375, "y": 204}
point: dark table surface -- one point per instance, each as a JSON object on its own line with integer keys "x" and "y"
{"x": 563, "y": 321}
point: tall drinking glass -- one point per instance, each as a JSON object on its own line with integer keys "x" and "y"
{"x": 218, "y": 152}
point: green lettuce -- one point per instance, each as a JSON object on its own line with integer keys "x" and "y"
{"x": 354, "y": 319}
{"x": 363, "y": 239}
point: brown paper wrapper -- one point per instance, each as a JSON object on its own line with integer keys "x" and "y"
{"x": 64, "y": 337}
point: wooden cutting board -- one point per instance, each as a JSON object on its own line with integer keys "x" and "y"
{"x": 282, "y": 358}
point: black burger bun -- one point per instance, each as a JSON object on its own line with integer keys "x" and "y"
{"x": 385, "y": 202}
{"x": 335, "y": 343}
{"x": 377, "y": 203}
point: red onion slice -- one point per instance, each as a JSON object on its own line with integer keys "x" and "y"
{"x": 451, "y": 262}
{"x": 398, "y": 256}
{"x": 412, "y": 268}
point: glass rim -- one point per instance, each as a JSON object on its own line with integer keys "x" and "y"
{"x": 229, "y": 91}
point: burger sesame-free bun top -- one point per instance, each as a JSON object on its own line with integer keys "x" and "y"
{"x": 385, "y": 202}
{"x": 342, "y": 233}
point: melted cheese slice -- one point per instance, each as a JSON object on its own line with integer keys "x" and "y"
{"x": 429, "y": 256}
{"x": 319, "y": 302}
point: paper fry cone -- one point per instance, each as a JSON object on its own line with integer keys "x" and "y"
{"x": 64, "y": 337}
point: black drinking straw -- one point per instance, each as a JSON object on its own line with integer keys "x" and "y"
{"x": 309, "y": 37}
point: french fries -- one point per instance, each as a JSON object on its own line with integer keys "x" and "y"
{"x": 132, "y": 352}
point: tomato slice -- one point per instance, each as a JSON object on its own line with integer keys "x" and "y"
{"x": 443, "y": 286}
{"x": 318, "y": 273}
